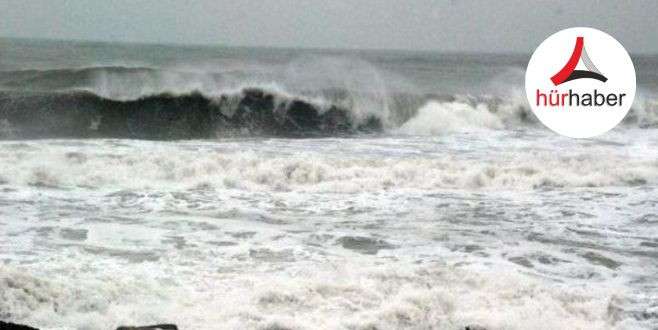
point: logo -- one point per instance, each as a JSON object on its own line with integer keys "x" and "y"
{"x": 578, "y": 98}
{"x": 569, "y": 71}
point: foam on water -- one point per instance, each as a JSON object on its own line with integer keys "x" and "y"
{"x": 357, "y": 295}
{"x": 300, "y": 234}
{"x": 111, "y": 164}
{"x": 427, "y": 197}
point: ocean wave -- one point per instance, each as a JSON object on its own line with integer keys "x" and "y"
{"x": 59, "y": 167}
{"x": 63, "y": 79}
{"x": 249, "y": 110}
{"x": 169, "y": 116}
{"x": 126, "y": 82}
{"x": 152, "y": 103}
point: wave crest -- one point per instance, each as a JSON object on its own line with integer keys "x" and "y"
{"x": 169, "y": 116}
{"x": 150, "y": 103}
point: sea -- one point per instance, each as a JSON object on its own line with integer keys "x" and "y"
{"x": 222, "y": 187}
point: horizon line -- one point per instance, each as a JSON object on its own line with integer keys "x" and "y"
{"x": 210, "y": 45}
{"x": 279, "y": 47}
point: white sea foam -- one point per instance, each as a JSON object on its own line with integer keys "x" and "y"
{"x": 62, "y": 166}
{"x": 462, "y": 210}
{"x": 335, "y": 295}
{"x": 386, "y": 232}
{"x": 436, "y": 118}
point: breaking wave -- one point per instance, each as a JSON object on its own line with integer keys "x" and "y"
{"x": 148, "y": 103}
{"x": 59, "y": 166}
{"x": 168, "y": 116}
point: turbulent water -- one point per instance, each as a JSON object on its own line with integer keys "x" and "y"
{"x": 231, "y": 188}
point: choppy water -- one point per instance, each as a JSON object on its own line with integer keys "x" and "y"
{"x": 437, "y": 201}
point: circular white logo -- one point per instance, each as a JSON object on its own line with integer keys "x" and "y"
{"x": 580, "y": 82}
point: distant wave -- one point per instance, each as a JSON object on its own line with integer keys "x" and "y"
{"x": 57, "y": 79}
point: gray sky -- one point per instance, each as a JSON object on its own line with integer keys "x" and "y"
{"x": 496, "y": 26}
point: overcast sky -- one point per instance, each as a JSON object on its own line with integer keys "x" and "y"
{"x": 495, "y": 26}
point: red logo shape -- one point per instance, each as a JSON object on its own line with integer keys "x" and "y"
{"x": 569, "y": 71}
